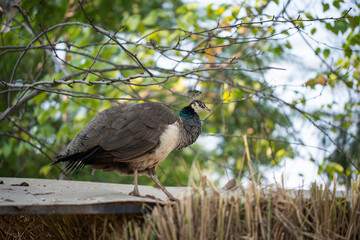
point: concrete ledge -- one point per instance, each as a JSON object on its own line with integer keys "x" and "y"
{"x": 46, "y": 196}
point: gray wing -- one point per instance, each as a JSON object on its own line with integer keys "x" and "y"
{"x": 94, "y": 132}
{"x": 137, "y": 130}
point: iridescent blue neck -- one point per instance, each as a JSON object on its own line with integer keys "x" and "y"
{"x": 187, "y": 112}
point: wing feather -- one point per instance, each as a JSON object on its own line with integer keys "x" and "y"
{"x": 124, "y": 132}
{"x": 94, "y": 132}
{"x": 139, "y": 132}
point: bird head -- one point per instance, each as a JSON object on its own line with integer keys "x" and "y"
{"x": 199, "y": 106}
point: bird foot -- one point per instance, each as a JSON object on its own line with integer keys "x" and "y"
{"x": 135, "y": 193}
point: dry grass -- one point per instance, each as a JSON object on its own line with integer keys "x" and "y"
{"x": 241, "y": 213}
{"x": 255, "y": 215}
{"x": 100, "y": 226}
{"x": 250, "y": 213}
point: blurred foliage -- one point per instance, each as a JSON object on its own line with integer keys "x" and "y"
{"x": 167, "y": 37}
{"x": 342, "y": 72}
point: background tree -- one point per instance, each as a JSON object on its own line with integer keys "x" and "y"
{"x": 60, "y": 68}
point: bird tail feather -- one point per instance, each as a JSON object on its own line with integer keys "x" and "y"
{"x": 77, "y": 161}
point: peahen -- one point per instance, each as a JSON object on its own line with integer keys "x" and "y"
{"x": 133, "y": 139}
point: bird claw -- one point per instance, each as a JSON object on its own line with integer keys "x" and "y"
{"x": 135, "y": 193}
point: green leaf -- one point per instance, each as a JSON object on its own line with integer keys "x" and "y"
{"x": 303, "y": 101}
{"x": 40, "y": 97}
{"x": 334, "y": 167}
{"x": 321, "y": 167}
{"x": 348, "y": 53}
{"x": 133, "y": 22}
{"x": 309, "y": 16}
{"x": 45, "y": 170}
{"x": 340, "y": 62}
{"x": 349, "y": 84}
{"x": 326, "y": 53}
{"x": 338, "y": 117}
{"x": 235, "y": 10}
{"x": 150, "y": 19}
{"x": 313, "y": 31}
{"x": 336, "y": 4}
{"x": 316, "y": 118}
{"x": 346, "y": 125}
{"x": 7, "y": 149}
{"x": 277, "y": 51}
{"x": 341, "y": 26}
{"x": 326, "y": 7}
{"x": 288, "y": 45}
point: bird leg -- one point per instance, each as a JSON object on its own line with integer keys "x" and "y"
{"x": 135, "y": 192}
{"x": 153, "y": 176}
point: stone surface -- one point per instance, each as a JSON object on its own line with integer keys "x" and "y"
{"x": 47, "y": 196}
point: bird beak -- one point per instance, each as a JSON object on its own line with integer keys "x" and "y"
{"x": 207, "y": 109}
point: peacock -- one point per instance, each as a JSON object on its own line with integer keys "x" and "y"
{"x": 133, "y": 139}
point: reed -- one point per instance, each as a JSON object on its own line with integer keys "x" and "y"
{"x": 205, "y": 213}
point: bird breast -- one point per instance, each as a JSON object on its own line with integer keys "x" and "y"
{"x": 168, "y": 142}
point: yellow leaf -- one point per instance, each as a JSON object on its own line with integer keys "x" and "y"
{"x": 227, "y": 95}
{"x": 235, "y": 10}
{"x": 229, "y": 18}
{"x": 250, "y": 131}
{"x": 243, "y": 30}
{"x": 210, "y": 54}
{"x": 211, "y": 51}
{"x": 220, "y": 10}
{"x": 194, "y": 36}
{"x": 310, "y": 82}
{"x": 238, "y": 163}
{"x": 268, "y": 151}
{"x": 225, "y": 26}
{"x": 44, "y": 170}
{"x": 334, "y": 167}
{"x": 319, "y": 80}
{"x": 280, "y": 153}
{"x": 231, "y": 107}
